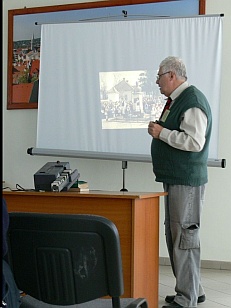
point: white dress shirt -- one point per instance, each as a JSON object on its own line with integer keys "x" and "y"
{"x": 193, "y": 126}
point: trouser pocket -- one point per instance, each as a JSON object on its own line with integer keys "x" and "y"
{"x": 189, "y": 236}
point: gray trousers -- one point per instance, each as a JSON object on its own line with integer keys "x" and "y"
{"x": 183, "y": 207}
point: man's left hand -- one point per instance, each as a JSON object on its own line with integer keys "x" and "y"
{"x": 154, "y": 129}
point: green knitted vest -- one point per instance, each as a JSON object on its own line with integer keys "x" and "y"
{"x": 174, "y": 166}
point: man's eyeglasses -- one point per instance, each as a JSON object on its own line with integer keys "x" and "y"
{"x": 158, "y": 76}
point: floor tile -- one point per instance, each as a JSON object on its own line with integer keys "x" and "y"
{"x": 216, "y": 282}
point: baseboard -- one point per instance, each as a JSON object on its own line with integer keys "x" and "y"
{"x": 221, "y": 265}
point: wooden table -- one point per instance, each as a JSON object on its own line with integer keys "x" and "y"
{"x": 136, "y": 216}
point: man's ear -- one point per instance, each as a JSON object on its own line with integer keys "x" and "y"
{"x": 172, "y": 74}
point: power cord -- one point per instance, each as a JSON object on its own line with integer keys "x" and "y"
{"x": 18, "y": 188}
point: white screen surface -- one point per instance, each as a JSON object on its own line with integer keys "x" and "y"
{"x": 89, "y": 71}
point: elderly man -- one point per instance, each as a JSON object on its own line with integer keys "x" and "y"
{"x": 179, "y": 151}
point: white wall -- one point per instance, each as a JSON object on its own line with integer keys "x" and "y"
{"x": 19, "y": 133}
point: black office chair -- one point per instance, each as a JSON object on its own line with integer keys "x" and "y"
{"x": 67, "y": 260}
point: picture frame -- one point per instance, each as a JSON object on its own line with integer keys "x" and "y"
{"x": 23, "y": 53}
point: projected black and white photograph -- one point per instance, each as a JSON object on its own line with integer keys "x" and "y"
{"x": 129, "y": 99}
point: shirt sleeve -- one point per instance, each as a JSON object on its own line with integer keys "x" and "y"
{"x": 192, "y": 134}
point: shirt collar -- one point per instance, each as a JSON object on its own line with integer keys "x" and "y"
{"x": 179, "y": 90}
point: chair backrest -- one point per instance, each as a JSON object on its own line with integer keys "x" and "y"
{"x": 65, "y": 259}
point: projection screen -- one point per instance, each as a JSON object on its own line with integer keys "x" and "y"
{"x": 97, "y": 88}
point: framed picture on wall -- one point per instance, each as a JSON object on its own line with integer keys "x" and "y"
{"x": 24, "y": 34}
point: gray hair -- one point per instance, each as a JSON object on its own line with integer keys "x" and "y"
{"x": 175, "y": 65}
